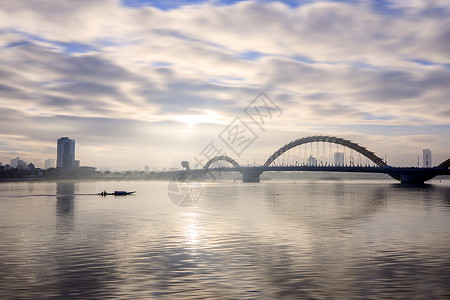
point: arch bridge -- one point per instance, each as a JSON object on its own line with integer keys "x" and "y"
{"x": 404, "y": 175}
{"x": 330, "y": 139}
{"x": 221, "y": 158}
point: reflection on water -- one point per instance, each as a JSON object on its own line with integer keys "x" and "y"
{"x": 313, "y": 240}
{"x": 65, "y": 205}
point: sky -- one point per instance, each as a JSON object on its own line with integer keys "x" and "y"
{"x": 156, "y": 82}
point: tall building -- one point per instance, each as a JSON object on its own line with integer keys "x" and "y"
{"x": 18, "y": 163}
{"x": 14, "y": 162}
{"x": 339, "y": 159}
{"x": 65, "y": 153}
{"x": 312, "y": 161}
{"x": 49, "y": 163}
{"x": 426, "y": 158}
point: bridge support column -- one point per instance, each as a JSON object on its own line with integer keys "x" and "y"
{"x": 413, "y": 175}
{"x": 414, "y": 178}
{"x": 251, "y": 176}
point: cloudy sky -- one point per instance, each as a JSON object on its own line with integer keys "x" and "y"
{"x": 139, "y": 82}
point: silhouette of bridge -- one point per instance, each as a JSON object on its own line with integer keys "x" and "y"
{"x": 252, "y": 174}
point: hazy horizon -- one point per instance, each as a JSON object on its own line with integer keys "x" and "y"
{"x": 138, "y": 82}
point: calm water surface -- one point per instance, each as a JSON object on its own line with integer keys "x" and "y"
{"x": 273, "y": 240}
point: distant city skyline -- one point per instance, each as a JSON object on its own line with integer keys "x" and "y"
{"x": 152, "y": 83}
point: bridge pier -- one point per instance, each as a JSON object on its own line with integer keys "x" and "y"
{"x": 414, "y": 175}
{"x": 251, "y": 175}
{"x": 414, "y": 178}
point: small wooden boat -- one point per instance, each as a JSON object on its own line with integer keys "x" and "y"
{"x": 116, "y": 193}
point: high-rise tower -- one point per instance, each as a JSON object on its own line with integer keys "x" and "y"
{"x": 49, "y": 163}
{"x": 65, "y": 153}
{"x": 426, "y": 158}
{"x": 339, "y": 159}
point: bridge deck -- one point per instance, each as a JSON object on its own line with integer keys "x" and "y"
{"x": 355, "y": 169}
{"x": 404, "y": 175}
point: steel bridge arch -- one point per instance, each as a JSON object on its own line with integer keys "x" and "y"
{"x": 324, "y": 138}
{"x": 219, "y": 158}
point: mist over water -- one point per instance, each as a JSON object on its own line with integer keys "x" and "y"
{"x": 272, "y": 240}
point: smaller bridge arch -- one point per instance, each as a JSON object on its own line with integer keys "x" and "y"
{"x": 220, "y": 158}
{"x": 325, "y": 138}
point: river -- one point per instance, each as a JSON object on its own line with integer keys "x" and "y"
{"x": 269, "y": 240}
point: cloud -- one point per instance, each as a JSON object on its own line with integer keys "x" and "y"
{"x": 101, "y": 72}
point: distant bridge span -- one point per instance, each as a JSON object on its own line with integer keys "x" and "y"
{"x": 404, "y": 175}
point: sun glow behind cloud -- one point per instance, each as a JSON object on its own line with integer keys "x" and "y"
{"x": 117, "y": 74}
{"x": 191, "y": 120}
